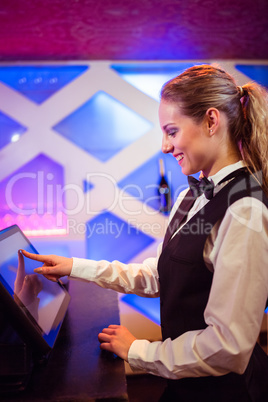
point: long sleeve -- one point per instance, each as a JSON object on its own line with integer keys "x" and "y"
{"x": 237, "y": 250}
{"x": 141, "y": 279}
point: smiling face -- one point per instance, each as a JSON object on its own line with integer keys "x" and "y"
{"x": 190, "y": 143}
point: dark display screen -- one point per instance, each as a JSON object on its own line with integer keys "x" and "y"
{"x": 42, "y": 302}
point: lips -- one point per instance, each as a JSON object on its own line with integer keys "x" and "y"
{"x": 179, "y": 157}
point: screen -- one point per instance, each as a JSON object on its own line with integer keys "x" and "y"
{"x": 41, "y": 301}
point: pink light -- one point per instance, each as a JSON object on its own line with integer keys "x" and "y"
{"x": 37, "y": 225}
{"x": 45, "y": 232}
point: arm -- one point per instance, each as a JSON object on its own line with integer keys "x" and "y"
{"x": 141, "y": 279}
{"x": 235, "y": 308}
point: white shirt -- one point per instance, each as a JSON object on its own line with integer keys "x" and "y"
{"x": 237, "y": 252}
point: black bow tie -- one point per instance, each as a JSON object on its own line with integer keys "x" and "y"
{"x": 199, "y": 187}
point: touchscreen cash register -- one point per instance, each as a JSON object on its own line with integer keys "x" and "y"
{"x": 34, "y": 305}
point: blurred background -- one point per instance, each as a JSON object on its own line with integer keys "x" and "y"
{"x": 80, "y": 142}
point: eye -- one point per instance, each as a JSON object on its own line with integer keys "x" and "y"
{"x": 172, "y": 133}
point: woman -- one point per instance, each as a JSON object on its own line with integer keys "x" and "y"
{"x": 211, "y": 271}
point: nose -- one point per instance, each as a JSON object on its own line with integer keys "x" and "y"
{"x": 167, "y": 147}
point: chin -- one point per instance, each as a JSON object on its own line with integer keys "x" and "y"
{"x": 188, "y": 172}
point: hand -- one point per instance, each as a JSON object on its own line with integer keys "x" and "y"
{"x": 26, "y": 287}
{"x": 116, "y": 339}
{"x": 54, "y": 267}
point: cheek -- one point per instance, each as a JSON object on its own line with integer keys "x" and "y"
{"x": 196, "y": 153}
{"x": 199, "y": 153}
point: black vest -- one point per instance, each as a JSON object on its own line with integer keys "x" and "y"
{"x": 185, "y": 281}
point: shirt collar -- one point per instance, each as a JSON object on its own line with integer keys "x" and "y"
{"x": 216, "y": 178}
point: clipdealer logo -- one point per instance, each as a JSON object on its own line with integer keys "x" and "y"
{"x": 51, "y": 197}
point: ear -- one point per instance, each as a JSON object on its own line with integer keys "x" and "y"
{"x": 212, "y": 120}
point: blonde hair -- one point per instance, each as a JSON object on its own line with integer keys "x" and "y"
{"x": 201, "y": 87}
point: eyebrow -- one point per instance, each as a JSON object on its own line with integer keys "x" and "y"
{"x": 166, "y": 125}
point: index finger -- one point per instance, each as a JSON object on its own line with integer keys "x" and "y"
{"x": 36, "y": 257}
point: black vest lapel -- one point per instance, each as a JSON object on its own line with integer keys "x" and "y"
{"x": 179, "y": 216}
{"x": 186, "y": 205}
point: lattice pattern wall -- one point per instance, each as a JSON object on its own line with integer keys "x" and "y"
{"x": 79, "y": 151}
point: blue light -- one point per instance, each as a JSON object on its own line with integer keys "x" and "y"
{"x": 149, "y": 307}
{"x": 147, "y": 177}
{"x": 38, "y": 83}
{"x": 15, "y": 137}
{"x": 87, "y": 186}
{"x": 103, "y": 126}
{"x": 257, "y": 73}
{"x": 111, "y": 238}
{"x": 10, "y": 130}
{"x": 149, "y": 78}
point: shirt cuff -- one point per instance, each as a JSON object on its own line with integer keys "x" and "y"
{"x": 84, "y": 269}
{"x": 136, "y": 354}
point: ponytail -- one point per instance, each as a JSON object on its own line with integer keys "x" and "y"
{"x": 254, "y": 135}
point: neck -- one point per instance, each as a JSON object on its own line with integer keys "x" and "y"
{"x": 221, "y": 162}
